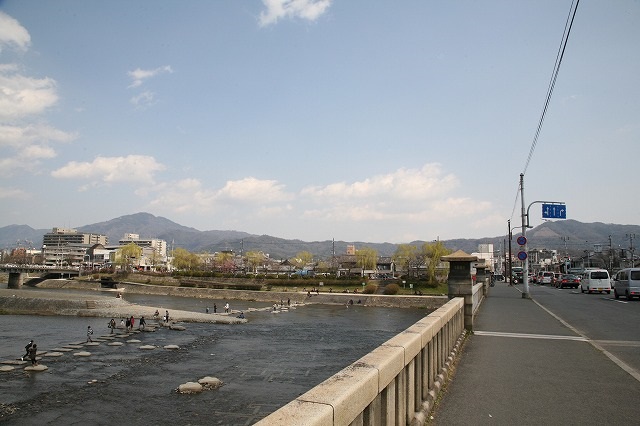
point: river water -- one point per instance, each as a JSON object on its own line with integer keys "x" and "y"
{"x": 263, "y": 364}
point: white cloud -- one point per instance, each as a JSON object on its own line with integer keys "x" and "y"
{"x": 132, "y": 168}
{"x": 139, "y": 76}
{"x": 13, "y": 34}
{"x": 305, "y": 9}
{"x": 22, "y": 96}
{"x": 191, "y": 195}
{"x": 253, "y": 190}
{"x": 408, "y": 184}
{"x": 16, "y": 136}
{"x": 13, "y": 193}
{"x": 143, "y": 100}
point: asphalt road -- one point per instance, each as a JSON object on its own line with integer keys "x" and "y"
{"x": 612, "y": 324}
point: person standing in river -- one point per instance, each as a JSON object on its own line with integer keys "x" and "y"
{"x": 33, "y": 351}
{"x": 142, "y": 323}
{"x": 89, "y": 333}
{"x": 112, "y": 325}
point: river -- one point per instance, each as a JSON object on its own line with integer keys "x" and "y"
{"x": 263, "y": 364}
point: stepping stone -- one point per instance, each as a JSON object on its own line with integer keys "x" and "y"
{"x": 82, "y": 353}
{"x": 39, "y": 367}
{"x": 147, "y": 347}
{"x": 122, "y": 336}
{"x": 39, "y": 353}
{"x": 177, "y": 327}
{"x": 115, "y": 344}
{"x": 54, "y": 354}
{"x": 62, "y": 349}
{"x": 133, "y": 341}
{"x": 190, "y": 387}
{"x": 14, "y": 362}
{"x": 172, "y": 347}
{"x": 93, "y": 344}
{"x": 73, "y": 346}
{"x": 108, "y": 337}
{"x": 210, "y": 382}
{"x": 78, "y": 343}
{"x": 6, "y": 368}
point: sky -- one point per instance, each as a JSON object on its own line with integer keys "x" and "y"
{"x": 353, "y": 120}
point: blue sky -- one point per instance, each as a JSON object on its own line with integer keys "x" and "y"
{"x": 348, "y": 119}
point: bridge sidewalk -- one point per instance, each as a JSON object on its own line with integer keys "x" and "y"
{"x": 522, "y": 366}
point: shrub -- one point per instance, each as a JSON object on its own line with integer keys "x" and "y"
{"x": 391, "y": 289}
{"x": 370, "y": 289}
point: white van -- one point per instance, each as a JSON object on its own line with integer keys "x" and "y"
{"x": 595, "y": 280}
{"x": 627, "y": 282}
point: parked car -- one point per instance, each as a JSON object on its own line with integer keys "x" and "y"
{"x": 595, "y": 280}
{"x": 627, "y": 283}
{"x": 568, "y": 280}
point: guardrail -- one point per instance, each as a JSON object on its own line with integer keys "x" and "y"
{"x": 478, "y": 293}
{"x": 395, "y": 384}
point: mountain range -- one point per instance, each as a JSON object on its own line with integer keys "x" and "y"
{"x": 563, "y": 235}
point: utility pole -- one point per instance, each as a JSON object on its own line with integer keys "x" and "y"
{"x": 610, "y": 256}
{"x": 509, "y": 260}
{"x": 525, "y": 272}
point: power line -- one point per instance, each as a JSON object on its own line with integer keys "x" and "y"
{"x": 554, "y": 76}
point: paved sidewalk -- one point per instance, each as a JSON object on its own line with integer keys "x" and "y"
{"x": 523, "y": 367}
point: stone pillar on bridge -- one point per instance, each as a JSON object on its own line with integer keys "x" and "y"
{"x": 460, "y": 282}
{"x": 482, "y": 277}
{"x": 15, "y": 280}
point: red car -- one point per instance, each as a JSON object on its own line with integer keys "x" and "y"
{"x": 568, "y": 280}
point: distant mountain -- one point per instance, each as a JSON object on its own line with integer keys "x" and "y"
{"x": 561, "y": 235}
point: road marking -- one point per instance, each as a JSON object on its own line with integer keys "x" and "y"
{"x": 614, "y": 300}
{"x": 627, "y": 343}
{"x": 530, "y": 336}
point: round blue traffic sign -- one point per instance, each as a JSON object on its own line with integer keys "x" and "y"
{"x": 522, "y": 240}
{"x": 522, "y": 255}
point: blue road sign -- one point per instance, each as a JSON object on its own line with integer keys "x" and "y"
{"x": 554, "y": 211}
{"x": 522, "y": 255}
{"x": 522, "y": 240}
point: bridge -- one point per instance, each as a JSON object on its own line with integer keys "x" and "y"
{"x": 16, "y": 272}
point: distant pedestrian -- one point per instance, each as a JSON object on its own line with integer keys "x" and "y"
{"x": 89, "y": 333}
{"x": 226, "y": 308}
{"x": 33, "y": 351}
{"x": 166, "y": 316}
{"x": 112, "y": 325}
{"x": 27, "y": 348}
{"x": 128, "y": 324}
{"x": 288, "y": 302}
{"x": 142, "y": 323}
{"x": 215, "y": 308}
{"x": 207, "y": 309}
{"x": 156, "y": 315}
{"x": 133, "y": 320}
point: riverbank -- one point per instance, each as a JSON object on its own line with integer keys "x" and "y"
{"x": 28, "y": 302}
{"x": 323, "y": 297}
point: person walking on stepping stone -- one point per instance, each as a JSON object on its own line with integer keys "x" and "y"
{"x": 112, "y": 325}
{"x": 26, "y": 348}
{"x": 142, "y": 323}
{"x": 89, "y": 333}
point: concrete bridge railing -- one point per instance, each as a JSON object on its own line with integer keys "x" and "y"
{"x": 395, "y": 384}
